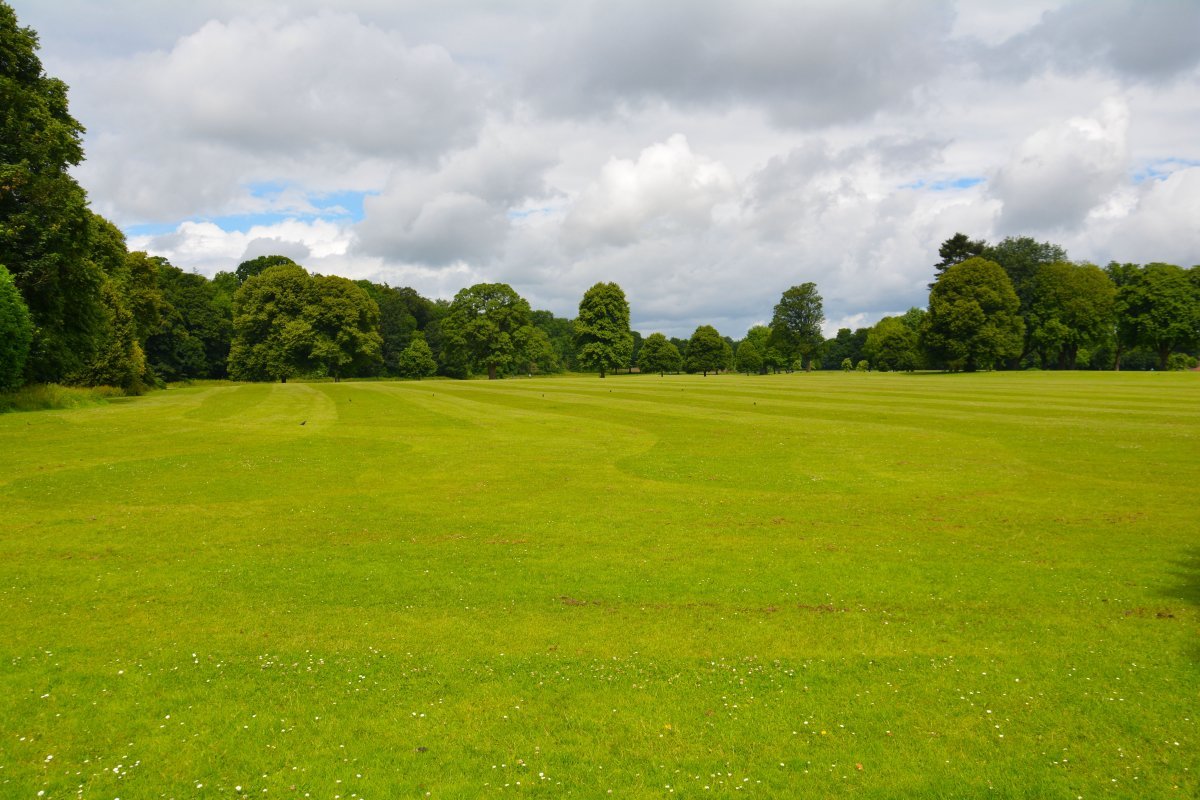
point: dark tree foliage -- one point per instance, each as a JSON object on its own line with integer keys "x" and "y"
{"x": 119, "y": 360}
{"x": 560, "y": 333}
{"x": 193, "y": 338}
{"x": 397, "y": 325}
{"x": 255, "y": 266}
{"x": 44, "y": 221}
{"x": 846, "y": 345}
{"x": 748, "y": 358}
{"x": 658, "y": 354}
{"x": 16, "y": 332}
{"x": 955, "y": 250}
{"x": 343, "y": 324}
{"x": 271, "y": 336}
{"x": 706, "y": 351}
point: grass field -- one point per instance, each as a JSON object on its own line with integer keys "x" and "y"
{"x": 825, "y": 585}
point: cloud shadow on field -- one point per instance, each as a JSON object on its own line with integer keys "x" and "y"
{"x": 1185, "y": 574}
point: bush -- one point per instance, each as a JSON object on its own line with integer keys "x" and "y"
{"x": 1178, "y": 362}
{"x": 863, "y": 366}
{"x": 847, "y": 365}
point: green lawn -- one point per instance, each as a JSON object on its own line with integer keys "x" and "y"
{"x": 825, "y": 585}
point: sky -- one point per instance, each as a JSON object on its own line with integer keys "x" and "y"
{"x": 704, "y": 155}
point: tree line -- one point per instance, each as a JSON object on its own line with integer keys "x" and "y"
{"x": 77, "y": 307}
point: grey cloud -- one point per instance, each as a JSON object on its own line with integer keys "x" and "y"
{"x": 1133, "y": 39}
{"x": 456, "y": 212}
{"x": 1060, "y": 173}
{"x": 807, "y": 64}
{"x": 270, "y": 246}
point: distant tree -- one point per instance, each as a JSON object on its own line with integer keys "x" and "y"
{"x": 343, "y": 322}
{"x": 862, "y": 366}
{"x": 119, "y": 360}
{"x": 974, "y": 320}
{"x": 749, "y": 359}
{"x": 638, "y": 341}
{"x": 847, "y": 344}
{"x": 796, "y": 325}
{"x": 397, "y": 324}
{"x": 196, "y": 327}
{"x": 1157, "y": 308}
{"x": 16, "y": 333}
{"x": 536, "y": 353}
{"x": 560, "y": 332}
{"x": 893, "y": 346}
{"x": 1021, "y": 257}
{"x": 417, "y": 359}
{"x": 772, "y": 360}
{"x": 955, "y": 250}
{"x": 256, "y": 266}
{"x": 847, "y": 365}
{"x": 271, "y": 336}
{"x": 1071, "y": 306}
{"x": 706, "y": 351}
{"x": 482, "y": 328}
{"x": 660, "y": 355}
{"x": 602, "y": 337}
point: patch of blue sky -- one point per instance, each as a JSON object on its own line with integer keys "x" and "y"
{"x": 1162, "y": 169}
{"x": 525, "y": 213}
{"x": 343, "y": 206}
{"x": 945, "y": 184}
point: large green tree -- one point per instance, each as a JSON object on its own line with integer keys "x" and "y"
{"x": 483, "y": 328}
{"x": 659, "y": 354}
{"x": 16, "y": 332}
{"x": 893, "y": 346}
{"x": 1070, "y": 306}
{"x": 602, "y": 337}
{"x": 796, "y": 324}
{"x": 344, "y": 325}
{"x": 1157, "y": 308}
{"x": 271, "y": 335}
{"x": 748, "y": 357}
{"x": 706, "y": 351}
{"x": 974, "y": 319}
{"x": 256, "y": 266}
{"x": 44, "y": 221}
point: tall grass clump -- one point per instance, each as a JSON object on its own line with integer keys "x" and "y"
{"x": 49, "y": 396}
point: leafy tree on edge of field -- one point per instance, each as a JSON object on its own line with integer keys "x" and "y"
{"x": 1071, "y": 306}
{"x": 1157, "y": 307}
{"x": 796, "y": 324}
{"x": 343, "y": 322}
{"x": 749, "y": 359}
{"x": 893, "y": 346}
{"x": 974, "y": 320}
{"x": 706, "y": 351}
{"x": 483, "y": 327}
{"x": 270, "y": 334}
{"x": 659, "y": 354}
{"x": 603, "y": 340}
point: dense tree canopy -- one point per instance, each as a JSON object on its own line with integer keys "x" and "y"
{"x": 796, "y": 324}
{"x": 602, "y": 337}
{"x": 417, "y": 359}
{"x": 1158, "y": 307}
{"x": 974, "y": 320}
{"x": 485, "y": 327}
{"x": 1071, "y": 306}
{"x": 957, "y": 249}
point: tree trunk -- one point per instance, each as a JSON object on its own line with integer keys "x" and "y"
{"x": 1163, "y": 354}
{"x": 283, "y": 378}
{"x": 1117, "y": 359}
{"x": 491, "y": 372}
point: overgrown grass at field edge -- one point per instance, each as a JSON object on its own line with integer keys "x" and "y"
{"x": 781, "y": 586}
